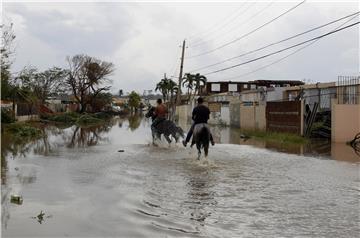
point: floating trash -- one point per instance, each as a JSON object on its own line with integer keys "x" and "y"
{"x": 41, "y": 216}
{"x": 17, "y": 199}
{"x": 121, "y": 150}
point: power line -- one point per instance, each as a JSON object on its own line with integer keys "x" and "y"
{"x": 215, "y": 26}
{"x": 278, "y": 42}
{"x": 249, "y": 33}
{"x": 279, "y": 51}
{"x": 292, "y": 53}
{"x": 238, "y": 25}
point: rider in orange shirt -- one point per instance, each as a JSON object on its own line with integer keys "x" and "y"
{"x": 160, "y": 113}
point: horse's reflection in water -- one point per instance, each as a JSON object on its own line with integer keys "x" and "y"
{"x": 164, "y": 127}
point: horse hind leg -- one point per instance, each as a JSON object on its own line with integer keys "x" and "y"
{"x": 167, "y": 138}
{"x": 206, "y": 150}
{"x": 199, "y": 151}
{"x": 199, "y": 154}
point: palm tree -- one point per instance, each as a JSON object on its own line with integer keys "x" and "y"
{"x": 193, "y": 82}
{"x": 168, "y": 89}
{"x": 200, "y": 80}
{"x": 162, "y": 86}
{"x": 188, "y": 82}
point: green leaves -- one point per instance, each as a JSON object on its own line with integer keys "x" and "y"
{"x": 134, "y": 100}
{"x": 193, "y": 83}
{"x": 167, "y": 87}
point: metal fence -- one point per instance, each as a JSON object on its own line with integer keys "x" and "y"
{"x": 284, "y": 116}
{"x": 348, "y": 90}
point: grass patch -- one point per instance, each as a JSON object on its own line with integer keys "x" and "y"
{"x": 23, "y": 131}
{"x": 279, "y": 137}
{"x": 67, "y": 118}
{"x": 88, "y": 119}
{"x": 77, "y": 118}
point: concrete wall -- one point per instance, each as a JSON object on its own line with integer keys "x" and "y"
{"x": 345, "y": 121}
{"x": 221, "y": 116}
{"x": 253, "y": 117}
{"x": 235, "y": 114}
{"x": 260, "y": 117}
{"x": 225, "y": 114}
{"x": 27, "y": 118}
{"x": 183, "y": 114}
{"x": 215, "y": 118}
{"x": 275, "y": 95}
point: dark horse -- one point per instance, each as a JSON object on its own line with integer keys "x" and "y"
{"x": 165, "y": 127}
{"x": 201, "y": 138}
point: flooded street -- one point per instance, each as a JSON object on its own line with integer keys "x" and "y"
{"x": 87, "y": 188}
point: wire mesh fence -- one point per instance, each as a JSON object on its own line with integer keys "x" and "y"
{"x": 348, "y": 90}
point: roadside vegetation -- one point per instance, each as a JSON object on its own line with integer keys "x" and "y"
{"x": 85, "y": 78}
{"x": 73, "y": 118}
{"x": 22, "y": 131}
{"x": 279, "y": 137}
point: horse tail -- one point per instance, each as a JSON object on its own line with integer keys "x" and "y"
{"x": 204, "y": 139}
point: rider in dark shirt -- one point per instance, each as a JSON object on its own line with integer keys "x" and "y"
{"x": 200, "y": 114}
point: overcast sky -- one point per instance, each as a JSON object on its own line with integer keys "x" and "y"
{"x": 143, "y": 39}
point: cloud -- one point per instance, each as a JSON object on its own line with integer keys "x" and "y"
{"x": 143, "y": 39}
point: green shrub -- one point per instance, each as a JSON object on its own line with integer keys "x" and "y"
{"x": 7, "y": 115}
{"x": 88, "y": 119}
{"x": 69, "y": 117}
{"x": 23, "y": 130}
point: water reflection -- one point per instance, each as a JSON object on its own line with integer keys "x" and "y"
{"x": 200, "y": 196}
{"x": 316, "y": 148}
{"x": 86, "y": 136}
{"x": 241, "y": 191}
{"x": 134, "y": 121}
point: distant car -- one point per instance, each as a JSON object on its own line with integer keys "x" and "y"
{"x": 116, "y": 108}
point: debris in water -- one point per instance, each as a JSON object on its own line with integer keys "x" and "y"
{"x": 16, "y": 168}
{"x": 243, "y": 136}
{"x": 40, "y": 217}
{"x": 17, "y": 199}
{"x": 121, "y": 150}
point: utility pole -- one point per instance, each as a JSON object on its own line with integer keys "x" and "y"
{"x": 178, "y": 99}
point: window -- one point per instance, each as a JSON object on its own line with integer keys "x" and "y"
{"x": 232, "y": 87}
{"x": 253, "y": 86}
{"x": 245, "y": 86}
{"x": 215, "y": 87}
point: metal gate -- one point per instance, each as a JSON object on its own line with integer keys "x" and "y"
{"x": 284, "y": 116}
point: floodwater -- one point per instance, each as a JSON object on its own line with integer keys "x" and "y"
{"x": 84, "y": 187}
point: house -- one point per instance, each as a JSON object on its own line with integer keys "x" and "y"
{"x": 224, "y": 87}
{"x": 276, "y": 83}
{"x": 150, "y": 99}
{"x": 62, "y": 103}
{"x": 345, "y": 109}
{"x": 219, "y": 105}
{"x": 322, "y": 93}
{"x": 237, "y": 87}
{"x": 261, "y": 95}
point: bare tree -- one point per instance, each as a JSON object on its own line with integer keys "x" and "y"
{"x": 43, "y": 84}
{"x": 86, "y": 78}
{"x": 6, "y": 59}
